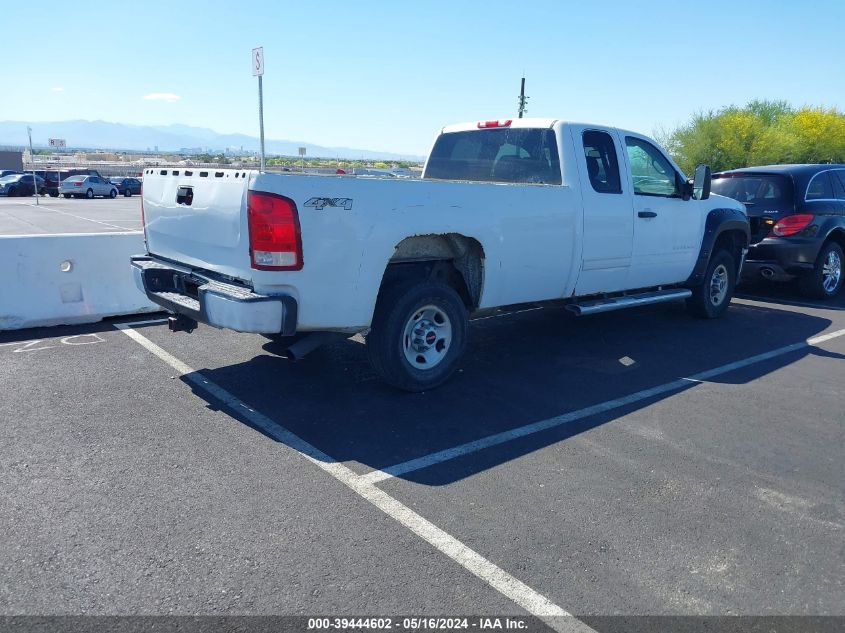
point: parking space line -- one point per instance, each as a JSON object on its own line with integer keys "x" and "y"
{"x": 497, "y": 578}
{"x": 789, "y": 302}
{"x": 145, "y": 322}
{"x": 574, "y": 416}
{"x": 78, "y": 217}
{"x": 504, "y": 314}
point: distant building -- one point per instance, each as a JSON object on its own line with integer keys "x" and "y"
{"x": 11, "y": 160}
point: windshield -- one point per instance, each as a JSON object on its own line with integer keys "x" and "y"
{"x": 759, "y": 192}
{"x": 9, "y": 178}
{"x": 524, "y": 155}
{"x": 75, "y": 178}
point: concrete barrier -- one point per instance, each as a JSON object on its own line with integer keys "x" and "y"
{"x": 67, "y": 279}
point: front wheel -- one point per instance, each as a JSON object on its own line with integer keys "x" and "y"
{"x": 418, "y": 336}
{"x": 127, "y": 193}
{"x": 712, "y": 298}
{"x": 89, "y": 194}
{"x": 66, "y": 195}
{"x": 825, "y": 281}
{"x": 113, "y": 194}
{"x": 12, "y": 192}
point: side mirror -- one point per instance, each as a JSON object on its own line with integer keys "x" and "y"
{"x": 701, "y": 182}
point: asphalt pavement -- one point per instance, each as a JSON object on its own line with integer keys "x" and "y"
{"x": 50, "y": 216}
{"x": 632, "y": 463}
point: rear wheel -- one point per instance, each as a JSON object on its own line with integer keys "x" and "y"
{"x": 12, "y": 192}
{"x": 128, "y": 192}
{"x": 113, "y": 194}
{"x": 712, "y": 298}
{"x": 418, "y": 336}
{"x": 89, "y": 194}
{"x": 825, "y": 281}
{"x": 66, "y": 195}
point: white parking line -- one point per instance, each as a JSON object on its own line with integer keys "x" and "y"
{"x": 78, "y": 217}
{"x": 517, "y": 591}
{"x": 145, "y": 322}
{"x": 567, "y": 418}
{"x": 789, "y": 302}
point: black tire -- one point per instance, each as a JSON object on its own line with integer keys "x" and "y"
{"x": 66, "y": 195}
{"x": 127, "y": 193}
{"x": 397, "y": 309}
{"x": 12, "y": 192}
{"x": 708, "y": 301}
{"x": 54, "y": 194}
{"x": 825, "y": 281}
{"x": 113, "y": 194}
{"x": 89, "y": 194}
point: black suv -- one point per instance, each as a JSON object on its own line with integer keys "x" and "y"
{"x": 797, "y": 217}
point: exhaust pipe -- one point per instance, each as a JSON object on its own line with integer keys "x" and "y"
{"x": 310, "y": 342}
{"x": 767, "y": 273}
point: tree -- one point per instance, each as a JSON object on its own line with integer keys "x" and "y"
{"x": 761, "y": 133}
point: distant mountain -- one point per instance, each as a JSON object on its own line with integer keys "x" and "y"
{"x": 120, "y": 136}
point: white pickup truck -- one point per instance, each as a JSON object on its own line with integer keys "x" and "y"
{"x": 507, "y": 212}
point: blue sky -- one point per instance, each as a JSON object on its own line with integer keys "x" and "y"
{"x": 387, "y": 75}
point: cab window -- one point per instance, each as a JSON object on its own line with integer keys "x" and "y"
{"x": 602, "y": 164}
{"x": 652, "y": 173}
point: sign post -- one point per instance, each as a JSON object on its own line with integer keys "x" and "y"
{"x": 302, "y": 156}
{"x": 258, "y": 71}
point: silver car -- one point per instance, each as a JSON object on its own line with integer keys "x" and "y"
{"x": 87, "y": 187}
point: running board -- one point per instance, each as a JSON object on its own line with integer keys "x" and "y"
{"x": 628, "y": 301}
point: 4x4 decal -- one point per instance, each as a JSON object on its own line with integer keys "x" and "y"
{"x": 322, "y": 203}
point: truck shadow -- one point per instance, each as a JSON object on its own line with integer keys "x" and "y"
{"x": 520, "y": 369}
{"x": 787, "y": 294}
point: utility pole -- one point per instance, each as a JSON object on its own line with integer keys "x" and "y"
{"x": 522, "y": 99}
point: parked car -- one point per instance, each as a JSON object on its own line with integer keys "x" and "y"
{"x": 20, "y": 185}
{"x": 7, "y": 172}
{"x": 797, "y": 216}
{"x": 87, "y": 187}
{"x": 127, "y": 186}
{"x": 507, "y": 212}
{"x": 53, "y": 177}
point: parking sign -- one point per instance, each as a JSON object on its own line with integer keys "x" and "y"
{"x": 258, "y": 61}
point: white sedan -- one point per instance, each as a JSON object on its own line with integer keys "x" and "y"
{"x": 87, "y": 187}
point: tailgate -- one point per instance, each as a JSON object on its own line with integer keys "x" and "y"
{"x": 197, "y": 217}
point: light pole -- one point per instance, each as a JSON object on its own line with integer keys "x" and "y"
{"x": 32, "y": 160}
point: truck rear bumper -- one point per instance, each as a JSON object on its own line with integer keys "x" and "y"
{"x": 223, "y": 305}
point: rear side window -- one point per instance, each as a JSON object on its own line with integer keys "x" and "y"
{"x": 838, "y": 178}
{"x": 522, "y": 155}
{"x": 820, "y": 187}
{"x": 602, "y": 163}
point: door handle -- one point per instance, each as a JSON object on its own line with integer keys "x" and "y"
{"x": 647, "y": 214}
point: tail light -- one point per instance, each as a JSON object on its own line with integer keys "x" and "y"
{"x": 275, "y": 240}
{"x": 792, "y": 224}
{"x": 485, "y": 124}
{"x": 78, "y": 183}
